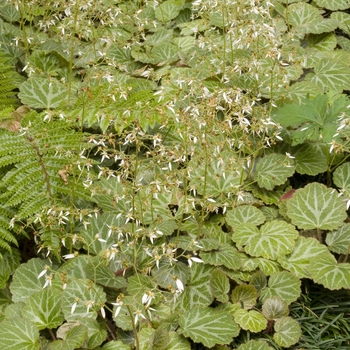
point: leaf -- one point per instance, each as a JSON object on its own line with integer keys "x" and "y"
{"x": 341, "y": 177}
{"x": 343, "y": 20}
{"x": 299, "y": 260}
{"x": 245, "y": 296}
{"x": 198, "y": 291}
{"x": 333, "y": 5}
{"x": 42, "y": 93}
{"x": 168, "y": 10}
{"x": 310, "y": 158}
{"x": 316, "y": 207}
{"x": 19, "y": 333}
{"x": 255, "y": 345}
{"x": 339, "y": 241}
{"x": 219, "y": 285}
{"x": 44, "y": 309}
{"x": 275, "y": 238}
{"x": 312, "y": 120}
{"x": 330, "y": 75}
{"x": 116, "y": 345}
{"x": 322, "y": 42}
{"x": 25, "y": 279}
{"x": 274, "y": 308}
{"x": 73, "y": 339}
{"x": 208, "y": 326}
{"x": 273, "y": 170}
{"x": 82, "y": 298}
{"x": 303, "y": 17}
{"x": 284, "y": 285}
{"x": 251, "y": 320}
{"x": 224, "y": 255}
{"x": 325, "y": 270}
{"x": 244, "y": 214}
{"x": 288, "y": 332}
{"x": 258, "y": 280}
{"x": 177, "y": 342}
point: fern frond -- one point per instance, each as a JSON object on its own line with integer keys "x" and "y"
{"x": 8, "y": 76}
{"x": 34, "y": 159}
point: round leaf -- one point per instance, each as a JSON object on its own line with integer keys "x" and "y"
{"x": 208, "y": 326}
{"x": 316, "y": 206}
{"x": 272, "y": 170}
{"x": 288, "y": 332}
{"x": 220, "y": 285}
{"x": 244, "y": 214}
{"x": 284, "y": 285}
{"x": 299, "y": 260}
{"x": 326, "y": 271}
{"x": 245, "y": 296}
{"x": 339, "y": 241}
{"x": 250, "y": 320}
{"x": 42, "y": 93}
{"x": 274, "y": 308}
{"x": 19, "y": 333}
{"x": 44, "y": 309}
{"x": 341, "y": 177}
{"x": 255, "y": 345}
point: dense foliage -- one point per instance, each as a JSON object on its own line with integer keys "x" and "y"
{"x": 174, "y": 174}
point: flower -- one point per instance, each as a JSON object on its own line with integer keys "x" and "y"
{"x": 118, "y": 305}
{"x": 48, "y": 281}
{"x": 138, "y": 313}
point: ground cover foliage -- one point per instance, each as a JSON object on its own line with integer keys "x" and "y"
{"x": 174, "y": 174}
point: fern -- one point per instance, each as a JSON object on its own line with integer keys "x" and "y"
{"x": 33, "y": 159}
{"x": 8, "y": 79}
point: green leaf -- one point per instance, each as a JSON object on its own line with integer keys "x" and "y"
{"x": 316, "y": 207}
{"x": 330, "y": 75}
{"x": 25, "y": 279}
{"x": 333, "y": 5}
{"x": 44, "y": 309}
{"x": 245, "y": 296}
{"x": 116, "y": 345}
{"x": 273, "y": 170}
{"x": 315, "y": 119}
{"x": 19, "y": 333}
{"x": 44, "y": 62}
{"x": 251, "y": 320}
{"x": 168, "y": 10}
{"x": 288, "y": 332}
{"x": 322, "y": 42}
{"x": 299, "y": 260}
{"x": 274, "y": 308}
{"x": 224, "y": 255}
{"x": 220, "y": 285}
{"x": 74, "y": 338}
{"x": 325, "y": 270}
{"x": 275, "y": 238}
{"x": 42, "y": 93}
{"x": 339, "y": 241}
{"x": 343, "y": 20}
{"x": 310, "y": 158}
{"x": 258, "y": 280}
{"x": 244, "y": 214}
{"x": 166, "y": 275}
{"x": 177, "y": 342}
{"x": 198, "y": 291}
{"x": 255, "y": 345}
{"x": 208, "y": 326}
{"x": 341, "y": 177}
{"x": 82, "y": 298}
{"x": 284, "y": 285}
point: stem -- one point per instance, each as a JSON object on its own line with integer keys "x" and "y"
{"x": 319, "y": 235}
{"x": 52, "y": 334}
{"x": 137, "y": 345}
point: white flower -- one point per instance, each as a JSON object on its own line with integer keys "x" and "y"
{"x": 43, "y": 272}
{"x": 179, "y": 285}
{"x": 138, "y": 313}
{"x": 48, "y": 281}
{"x": 89, "y": 304}
{"x": 193, "y": 258}
{"x": 118, "y": 305}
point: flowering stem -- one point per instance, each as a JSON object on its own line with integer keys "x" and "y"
{"x": 137, "y": 344}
